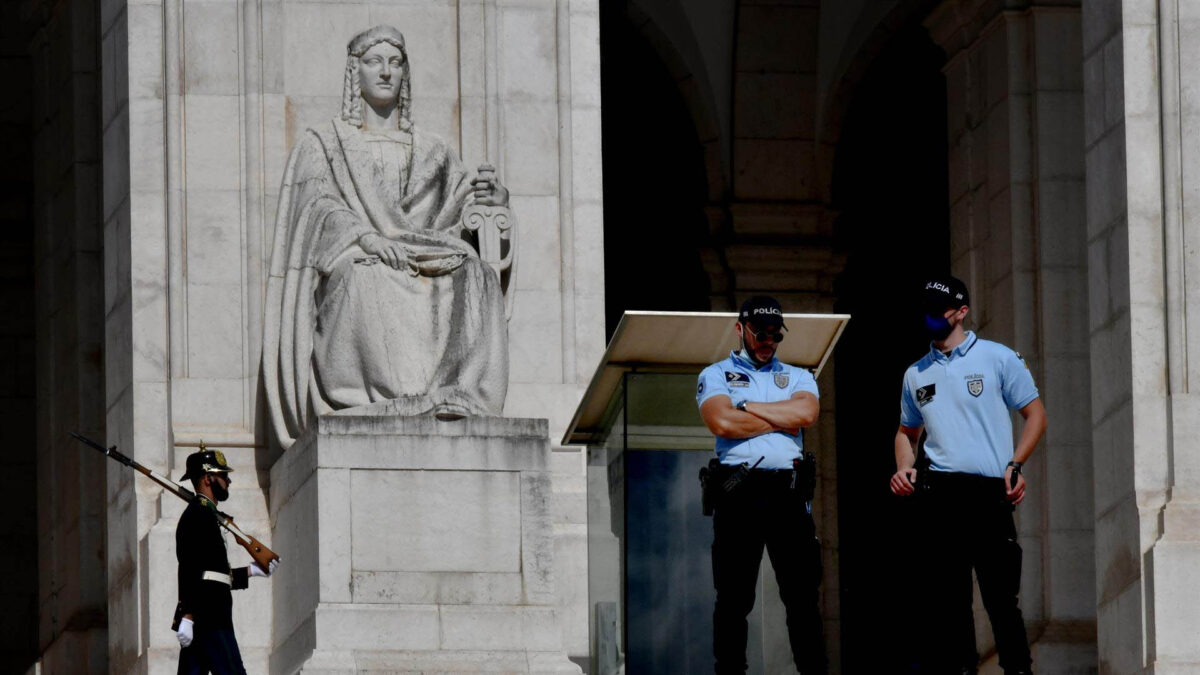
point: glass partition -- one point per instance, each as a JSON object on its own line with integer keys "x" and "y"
{"x": 649, "y": 546}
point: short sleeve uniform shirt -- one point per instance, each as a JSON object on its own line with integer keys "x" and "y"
{"x": 738, "y": 378}
{"x": 963, "y": 401}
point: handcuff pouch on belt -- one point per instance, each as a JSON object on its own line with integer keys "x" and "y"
{"x": 804, "y": 477}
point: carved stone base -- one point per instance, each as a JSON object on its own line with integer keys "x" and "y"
{"x": 415, "y": 545}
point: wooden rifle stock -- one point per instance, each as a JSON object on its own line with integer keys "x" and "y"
{"x": 261, "y": 554}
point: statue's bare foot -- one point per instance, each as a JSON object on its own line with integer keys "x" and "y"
{"x": 448, "y": 412}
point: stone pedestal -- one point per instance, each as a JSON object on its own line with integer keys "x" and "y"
{"x": 412, "y": 544}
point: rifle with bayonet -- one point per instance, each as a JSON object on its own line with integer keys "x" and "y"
{"x": 261, "y": 554}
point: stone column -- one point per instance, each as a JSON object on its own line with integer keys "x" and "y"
{"x": 1014, "y": 82}
{"x": 1141, "y": 135}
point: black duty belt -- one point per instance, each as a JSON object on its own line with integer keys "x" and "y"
{"x": 961, "y": 483}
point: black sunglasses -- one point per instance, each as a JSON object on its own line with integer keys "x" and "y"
{"x": 763, "y": 335}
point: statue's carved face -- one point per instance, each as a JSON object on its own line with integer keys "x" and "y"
{"x": 379, "y": 73}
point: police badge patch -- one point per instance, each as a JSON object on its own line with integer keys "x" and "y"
{"x": 975, "y": 386}
{"x": 781, "y": 380}
{"x": 700, "y": 388}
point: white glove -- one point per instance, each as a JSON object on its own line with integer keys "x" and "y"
{"x": 257, "y": 571}
{"x": 184, "y": 633}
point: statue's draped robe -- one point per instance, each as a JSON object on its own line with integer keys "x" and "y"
{"x": 344, "y": 330}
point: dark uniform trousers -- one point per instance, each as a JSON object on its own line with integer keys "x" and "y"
{"x": 763, "y": 511}
{"x": 212, "y": 651}
{"x": 967, "y": 522}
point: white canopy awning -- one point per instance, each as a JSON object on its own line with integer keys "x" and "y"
{"x": 673, "y": 342}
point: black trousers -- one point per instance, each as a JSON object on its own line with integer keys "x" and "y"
{"x": 764, "y": 512}
{"x": 212, "y": 651}
{"x": 966, "y": 523}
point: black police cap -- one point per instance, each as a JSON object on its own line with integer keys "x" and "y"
{"x": 944, "y": 293}
{"x": 761, "y": 309}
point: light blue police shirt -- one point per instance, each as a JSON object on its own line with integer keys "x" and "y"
{"x": 739, "y": 379}
{"x": 963, "y": 400}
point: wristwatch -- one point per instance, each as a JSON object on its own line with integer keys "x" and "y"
{"x": 741, "y": 405}
{"x": 1016, "y": 466}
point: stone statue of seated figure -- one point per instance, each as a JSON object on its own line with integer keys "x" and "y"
{"x": 377, "y": 295}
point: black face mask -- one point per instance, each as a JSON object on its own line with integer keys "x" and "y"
{"x": 220, "y": 493}
{"x": 938, "y": 327}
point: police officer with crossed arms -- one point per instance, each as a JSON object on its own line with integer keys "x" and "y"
{"x": 760, "y": 487}
{"x": 960, "y": 393}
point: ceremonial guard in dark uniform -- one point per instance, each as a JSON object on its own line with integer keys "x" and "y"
{"x": 205, "y": 612}
{"x": 970, "y": 482}
{"x": 760, "y": 488}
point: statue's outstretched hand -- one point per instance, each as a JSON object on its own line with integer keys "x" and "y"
{"x": 391, "y": 252}
{"x": 489, "y": 191}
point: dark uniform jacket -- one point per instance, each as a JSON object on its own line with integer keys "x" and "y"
{"x": 200, "y": 547}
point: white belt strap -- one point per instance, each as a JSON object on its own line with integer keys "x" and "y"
{"x": 226, "y": 579}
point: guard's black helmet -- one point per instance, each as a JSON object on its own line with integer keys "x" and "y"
{"x": 205, "y": 461}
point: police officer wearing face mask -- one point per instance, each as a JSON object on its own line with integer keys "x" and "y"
{"x": 205, "y": 613}
{"x": 960, "y": 393}
{"x": 760, "y": 487}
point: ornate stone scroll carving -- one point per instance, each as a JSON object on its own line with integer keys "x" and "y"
{"x": 495, "y": 230}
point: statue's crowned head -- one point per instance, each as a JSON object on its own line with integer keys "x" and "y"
{"x": 352, "y": 89}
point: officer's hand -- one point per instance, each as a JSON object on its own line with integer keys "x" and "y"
{"x": 184, "y": 633}
{"x": 902, "y": 482}
{"x": 1015, "y": 494}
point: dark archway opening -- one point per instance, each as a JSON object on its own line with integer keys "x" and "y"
{"x": 890, "y": 188}
{"x": 19, "y": 532}
{"x": 654, "y": 183}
